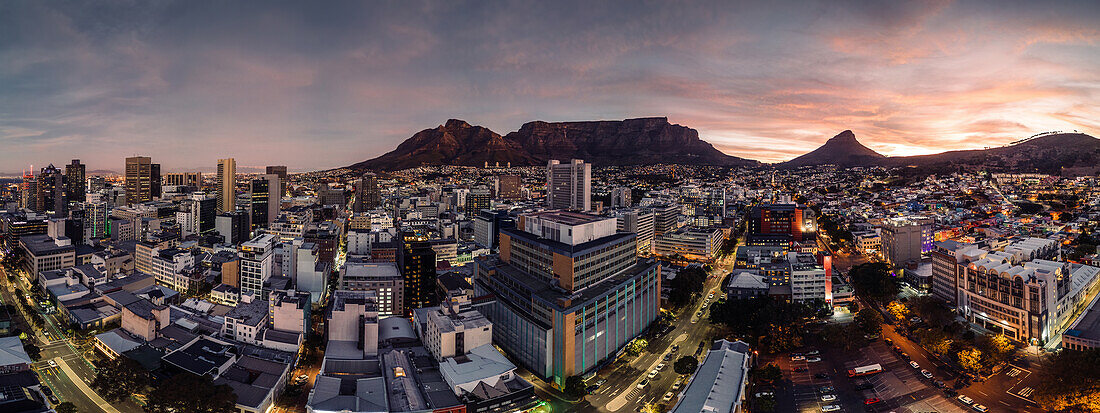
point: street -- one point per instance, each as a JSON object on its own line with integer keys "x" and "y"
{"x": 62, "y": 351}
{"x": 620, "y": 392}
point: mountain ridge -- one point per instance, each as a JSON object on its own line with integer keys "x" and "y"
{"x": 603, "y": 142}
{"x": 653, "y": 140}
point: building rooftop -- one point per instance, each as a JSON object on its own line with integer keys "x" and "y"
{"x": 718, "y": 383}
{"x": 566, "y": 217}
{"x": 253, "y": 313}
{"x": 12, "y": 353}
{"x": 39, "y": 245}
{"x": 747, "y": 279}
{"x": 1087, "y": 325}
{"x": 482, "y": 362}
{"x": 202, "y": 356}
{"x": 550, "y": 294}
{"x": 253, "y": 379}
{"x": 371, "y": 270}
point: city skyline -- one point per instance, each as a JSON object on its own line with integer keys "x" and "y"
{"x": 322, "y": 87}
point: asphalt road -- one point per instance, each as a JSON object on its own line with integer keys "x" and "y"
{"x": 621, "y": 394}
{"x": 52, "y": 347}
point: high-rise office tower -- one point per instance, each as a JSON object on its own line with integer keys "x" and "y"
{"x": 416, "y": 260}
{"x": 75, "y": 182}
{"x": 28, "y": 191}
{"x": 142, "y": 179}
{"x": 51, "y": 191}
{"x": 569, "y": 186}
{"x": 197, "y": 214}
{"x": 154, "y": 181}
{"x": 781, "y": 225}
{"x": 620, "y": 197}
{"x": 233, "y": 226}
{"x": 264, "y": 200}
{"x": 507, "y": 187}
{"x": 476, "y": 200}
{"x": 96, "y": 183}
{"x": 640, "y": 223}
{"x": 367, "y": 194}
{"x": 95, "y": 219}
{"x": 571, "y": 291}
{"x": 183, "y": 179}
{"x": 257, "y": 263}
{"x": 279, "y": 170}
{"x": 227, "y": 185}
{"x": 665, "y": 218}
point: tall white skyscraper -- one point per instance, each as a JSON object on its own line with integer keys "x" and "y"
{"x": 569, "y": 186}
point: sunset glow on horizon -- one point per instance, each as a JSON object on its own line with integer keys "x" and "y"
{"x": 327, "y": 85}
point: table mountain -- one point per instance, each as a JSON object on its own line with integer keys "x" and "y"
{"x": 453, "y": 143}
{"x": 625, "y": 142}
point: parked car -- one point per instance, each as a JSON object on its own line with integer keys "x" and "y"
{"x": 927, "y": 374}
{"x": 675, "y": 348}
{"x": 765, "y": 394}
{"x": 53, "y": 399}
{"x": 668, "y": 396}
{"x": 813, "y": 359}
{"x": 643, "y": 383}
{"x": 798, "y": 357}
{"x": 905, "y": 355}
{"x": 813, "y": 352}
{"x": 828, "y": 389}
{"x": 830, "y": 408}
{"x": 889, "y": 341}
{"x": 872, "y": 400}
{"x": 676, "y": 385}
{"x": 661, "y": 366}
{"x": 828, "y": 397}
{"x": 652, "y": 374}
{"x": 914, "y": 364}
{"x": 940, "y": 384}
{"x": 667, "y": 357}
{"x": 980, "y": 408}
{"x": 965, "y": 400}
{"x": 53, "y": 363}
{"x": 591, "y": 388}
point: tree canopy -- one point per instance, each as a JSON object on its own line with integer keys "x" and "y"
{"x": 688, "y": 282}
{"x": 186, "y": 392}
{"x": 873, "y": 280}
{"x": 1072, "y": 383}
{"x": 120, "y": 378}
{"x": 685, "y": 365}
{"x": 764, "y": 321}
{"x": 574, "y": 386}
{"x": 869, "y": 320}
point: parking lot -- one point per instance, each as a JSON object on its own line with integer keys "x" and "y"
{"x": 898, "y": 388}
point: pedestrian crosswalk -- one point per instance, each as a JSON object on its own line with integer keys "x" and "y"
{"x": 1026, "y": 391}
{"x": 1013, "y": 373}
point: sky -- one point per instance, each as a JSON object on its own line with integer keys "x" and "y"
{"x": 317, "y": 85}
